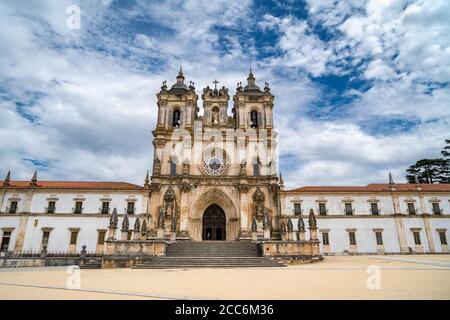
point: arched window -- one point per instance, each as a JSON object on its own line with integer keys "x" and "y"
{"x": 176, "y": 118}
{"x": 173, "y": 167}
{"x": 256, "y": 167}
{"x": 254, "y": 119}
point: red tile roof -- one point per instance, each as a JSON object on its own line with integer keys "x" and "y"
{"x": 93, "y": 185}
{"x": 376, "y": 187}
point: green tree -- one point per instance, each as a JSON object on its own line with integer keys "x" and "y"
{"x": 429, "y": 171}
{"x": 446, "y": 151}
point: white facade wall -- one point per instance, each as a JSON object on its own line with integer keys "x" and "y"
{"x": 60, "y": 222}
{"x": 336, "y": 223}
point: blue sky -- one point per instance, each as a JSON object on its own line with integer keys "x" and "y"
{"x": 361, "y": 87}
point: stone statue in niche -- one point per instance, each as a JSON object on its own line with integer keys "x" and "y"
{"x": 266, "y": 222}
{"x": 215, "y": 118}
{"x": 242, "y": 169}
{"x": 157, "y": 166}
{"x": 169, "y": 202}
{"x": 258, "y": 200}
{"x": 186, "y": 167}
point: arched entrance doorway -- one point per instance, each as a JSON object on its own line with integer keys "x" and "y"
{"x": 214, "y": 222}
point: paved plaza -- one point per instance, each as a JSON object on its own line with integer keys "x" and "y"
{"x": 338, "y": 277}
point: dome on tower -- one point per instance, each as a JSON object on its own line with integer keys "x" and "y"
{"x": 251, "y": 85}
{"x": 179, "y": 87}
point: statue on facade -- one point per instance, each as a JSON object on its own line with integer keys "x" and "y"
{"x": 258, "y": 199}
{"x": 157, "y": 167}
{"x": 169, "y": 201}
{"x": 161, "y": 218}
{"x": 266, "y": 221}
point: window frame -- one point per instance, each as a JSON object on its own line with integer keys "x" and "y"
{"x": 416, "y": 236}
{"x": 325, "y": 239}
{"x": 352, "y": 238}
{"x": 379, "y": 238}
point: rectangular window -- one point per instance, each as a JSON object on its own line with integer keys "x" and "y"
{"x": 51, "y": 207}
{"x": 297, "y": 209}
{"x": 78, "y": 207}
{"x": 5, "y": 241}
{"x": 411, "y": 208}
{"x": 417, "y": 237}
{"x": 101, "y": 237}
{"x": 325, "y": 240}
{"x": 322, "y": 209}
{"x": 130, "y": 207}
{"x": 352, "y": 238}
{"x": 105, "y": 207}
{"x": 374, "y": 208}
{"x": 73, "y": 237}
{"x": 45, "y": 238}
{"x": 442, "y": 237}
{"x": 13, "y": 207}
{"x": 436, "y": 208}
{"x": 379, "y": 237}
{"x": 348, "y": 209}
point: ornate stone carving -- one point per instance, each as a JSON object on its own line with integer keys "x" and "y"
{"x": 159, "y": 143}
{"x": 185, "y": 187}
{"x": 290, "y": 226}
{"x": 312, "y": 220}
{"x": 161, "y": 218}
{"x": 169, "y": 202}
{"x": 186, "y": 167}
{"x": 243, "y": 168}
{"x": 125, "y": 223}
{"x": 157, "y": 167}
{"x": 266, "y": 221}
{"x": 300, "y": 225}
{"x": 243, "y": 188}
{"x": 258, "y": 199}
{"x": 137, "y": 226}
{"x": 113, "y": 220}
{"x": 254, "y": 225}
{"x": 155, "y": 187}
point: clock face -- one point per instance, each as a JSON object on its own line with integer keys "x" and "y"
{"x": 214, "y": 165}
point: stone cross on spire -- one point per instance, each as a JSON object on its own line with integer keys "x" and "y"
{"x": 215, "y": 84}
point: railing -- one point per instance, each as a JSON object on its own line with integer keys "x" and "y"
{"x": 375, "y": 212}
{"x": 412, "y": 212}
{"x": 49, "y": 254}
{"x": 104, "y": 210}
{"x": 323, "y": 212}
{"x": 349, "y": 212}
{"x": 49, "y": 210}
{"x": 77, "y": 211}
{"x": 11, "y": 210}
{"x": 298, "y": 212}
{"x": 130, "y": 211}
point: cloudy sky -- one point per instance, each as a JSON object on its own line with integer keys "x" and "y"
{"x": 361, "y": 87}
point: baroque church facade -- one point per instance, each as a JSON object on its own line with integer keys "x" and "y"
{"x": 215, "y": 178}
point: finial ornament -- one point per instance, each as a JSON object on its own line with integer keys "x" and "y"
{"x": 147, "y": 180}
{"x": 34, "y": 179}
{"x": 113, "y": 220}
{"x": 391, "y": 180}
{"x": 312, "y": 220}
{"x": 125, "y": 223}
{"x": 416, "y": 178}
{"x": 7, "y": 178}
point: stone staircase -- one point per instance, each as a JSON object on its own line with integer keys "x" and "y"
{"x": 209, "y": 254}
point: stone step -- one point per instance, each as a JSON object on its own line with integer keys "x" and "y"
{"x": 212, "y": 248}
{"x": 204, "y": 262}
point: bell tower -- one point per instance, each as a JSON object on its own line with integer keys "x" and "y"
{"x": 253, "y": 107}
